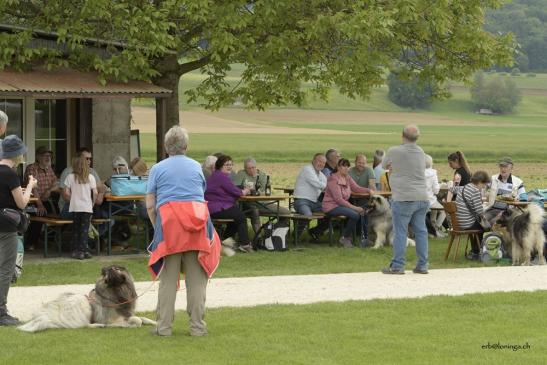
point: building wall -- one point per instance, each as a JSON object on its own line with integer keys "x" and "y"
{"x": 111, "y": 127}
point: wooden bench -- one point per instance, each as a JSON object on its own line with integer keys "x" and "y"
{"x": 296, "y": 218}
{"x": 52, "y": 225}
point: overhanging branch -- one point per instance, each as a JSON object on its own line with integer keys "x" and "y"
{"x": 193, "y": 65}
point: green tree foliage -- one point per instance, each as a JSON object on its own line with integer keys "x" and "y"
{"x": 500, "y": 94}
{"x": 289, "y": 48}
{"x": 409, "y": 92}
{"x": 527, "y": 20}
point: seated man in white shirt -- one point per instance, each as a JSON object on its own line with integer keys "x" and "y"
{"x": 505, "y": 185}
{"x": 309, "y": 185}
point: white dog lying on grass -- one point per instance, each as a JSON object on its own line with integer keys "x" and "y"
{"x": 111, "y": 304}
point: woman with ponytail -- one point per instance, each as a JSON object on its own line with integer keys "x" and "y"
{"x": 462, "y": 172}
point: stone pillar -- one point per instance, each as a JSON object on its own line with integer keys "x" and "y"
{"x": 111, "y": 129}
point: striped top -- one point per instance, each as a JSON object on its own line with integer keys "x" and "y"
{"x": 472, "y": 195}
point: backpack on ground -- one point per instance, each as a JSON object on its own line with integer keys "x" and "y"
{"x": 272, "y": 237}
{"x": 19, "y": 260}
{"x": 492, "y": 248}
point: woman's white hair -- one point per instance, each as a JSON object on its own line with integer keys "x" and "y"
{"x": 209, "y": 162}
{"x": 428, "y": 161}
{"x": 176, "y": 141}
{"x": 3, "y": 118}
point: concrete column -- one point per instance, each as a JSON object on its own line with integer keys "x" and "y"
{"x": 111, "y": 128}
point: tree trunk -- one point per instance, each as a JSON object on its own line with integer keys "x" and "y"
{"x": 167, "y": 109}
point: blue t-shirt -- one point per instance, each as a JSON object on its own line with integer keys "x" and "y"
{"x": 177, "y": 178}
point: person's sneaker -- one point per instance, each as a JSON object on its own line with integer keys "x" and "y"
{"x": 7, "y": 320}
{"x": 419, "y": 271}
{"x": 441, "y": 234}
{"x": 78, "y": 255}
{"x": 155, "y": 332}
{"x": 245, "y": 248}
{"x": 345, "y": 242}
{"x": 473, "y": 256}
{"x": 392, "y": 271}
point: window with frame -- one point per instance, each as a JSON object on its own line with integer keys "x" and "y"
{"x": 14, "y": 109}
{"x": 50, "y": 116}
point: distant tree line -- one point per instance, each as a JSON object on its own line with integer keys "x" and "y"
{"x": 527, "y": 20}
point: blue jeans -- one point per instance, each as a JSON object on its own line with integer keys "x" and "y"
{"x": 413, "y": 213}
{"x": 352, "y": 219}
{"x": 306, "y": 207}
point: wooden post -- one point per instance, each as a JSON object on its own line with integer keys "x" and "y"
{"x": 161, "y": 127}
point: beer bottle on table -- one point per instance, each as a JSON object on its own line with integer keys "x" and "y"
{"x": 268, "y": 188}
{"x": 257, "y": 185}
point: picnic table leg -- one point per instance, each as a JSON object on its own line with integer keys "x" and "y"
{"x": 58, "y": 241}
{"x": 109, "y": 248}
{"x": 98, "y": 243}
{"x": 45, "y": 239}
{"x": 330, "y": 232}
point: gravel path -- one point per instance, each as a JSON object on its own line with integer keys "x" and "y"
{"x": 304, "y": 289}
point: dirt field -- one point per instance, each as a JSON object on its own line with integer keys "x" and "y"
{"x": 239, "y": 121}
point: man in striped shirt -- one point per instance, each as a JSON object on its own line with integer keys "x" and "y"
{"x": 469, "y": 207}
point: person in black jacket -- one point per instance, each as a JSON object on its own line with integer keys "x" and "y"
{"x": 12, "y": 197}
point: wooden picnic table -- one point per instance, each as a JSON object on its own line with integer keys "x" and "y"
{"x": 385, "y": 194}
{"x": 519, "y": 204}
{"x": 264, "y": 200}
{"x": 119, "y": 198}
{"x": 286, "y": 190}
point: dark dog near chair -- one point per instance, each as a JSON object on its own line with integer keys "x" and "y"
{"x": 525, "y": 229}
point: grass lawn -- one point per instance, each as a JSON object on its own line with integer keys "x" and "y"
{"x": 314, "y": 259}
{"x": 432, "y": 330}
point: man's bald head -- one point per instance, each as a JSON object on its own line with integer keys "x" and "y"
{"x": 411, "y": 133}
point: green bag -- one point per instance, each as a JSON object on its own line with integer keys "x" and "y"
{"x": 492, "y": 248}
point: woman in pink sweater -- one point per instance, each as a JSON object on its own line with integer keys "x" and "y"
{"x": 336, "y": 201}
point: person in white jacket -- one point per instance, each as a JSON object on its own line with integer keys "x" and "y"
{"x": 308, "y": 190}
{"x": 504, "y": 185}
{"x": 436, "y": 214}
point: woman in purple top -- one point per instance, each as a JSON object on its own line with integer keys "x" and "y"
{"x": 336, "y": 200}
{"x": 222, "y": 195}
